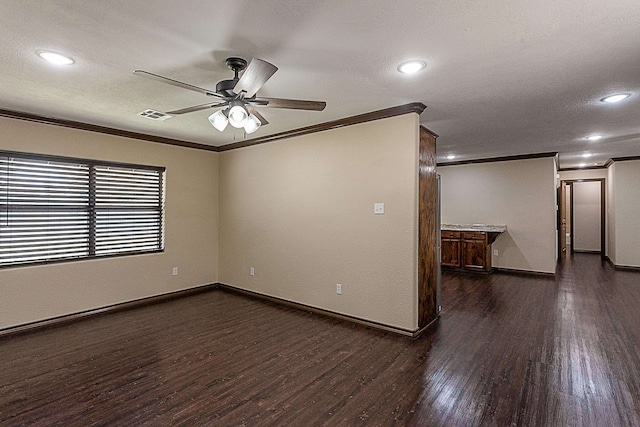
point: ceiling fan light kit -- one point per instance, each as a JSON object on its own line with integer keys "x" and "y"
{"x": 238, "y": 96}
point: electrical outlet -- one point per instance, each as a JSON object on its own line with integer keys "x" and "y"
{"x": 495, "y": 252}
{"x": 174, "y": 271}
{"x": 338, "y": 289}
{"x": 378, "y": 208}
{"x": 252, "y": 272}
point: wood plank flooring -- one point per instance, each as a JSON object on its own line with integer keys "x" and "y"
{"x": 507, "y": 350}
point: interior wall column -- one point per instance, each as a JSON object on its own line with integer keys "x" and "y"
{"x": 427, "y": 233}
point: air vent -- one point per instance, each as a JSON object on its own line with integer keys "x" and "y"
{"x": 154, "y": 115}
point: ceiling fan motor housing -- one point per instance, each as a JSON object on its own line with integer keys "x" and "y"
{"x": 225, "y": 87}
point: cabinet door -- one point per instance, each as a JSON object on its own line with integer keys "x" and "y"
{"x": 474, "y": 254}
{"x": 450, "y": 250}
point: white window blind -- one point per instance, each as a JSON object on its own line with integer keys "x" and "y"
{"x": 54, "y": 209}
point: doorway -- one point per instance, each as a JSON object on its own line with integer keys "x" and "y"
{"x": 581, "y": 216}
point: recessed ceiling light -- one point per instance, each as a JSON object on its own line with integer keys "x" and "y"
{"x": 585, "y": 155}
{"x": 55, "y": 58}
{"x": 615, "y": 98}
{"x": 451, "y": 157}
{"x": 581, "y": 165}
{"x": 412, "y": 66}
{"x": 593, "y": 137}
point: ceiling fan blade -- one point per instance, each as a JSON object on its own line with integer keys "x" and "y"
{"x": 256, "y": 74}
{"x": 255, "y": 112}
{"x": 177, "y": 83}
{"x": 197, "y": 108}
{"x": 293, "y": 104}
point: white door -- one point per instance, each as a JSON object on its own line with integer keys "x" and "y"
{"x": 586, "y": 216}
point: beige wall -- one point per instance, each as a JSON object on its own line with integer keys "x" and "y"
{"x": 611, "y": 214}
{"x": 519, "y": 194}
{"x": 300, "y": 212}
{"x": 583, "y": 174}
{"x": 626, "y": 184}
{"x": 191, "y": 242}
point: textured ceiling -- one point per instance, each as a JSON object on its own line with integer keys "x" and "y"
{"x": 503, "y": 77}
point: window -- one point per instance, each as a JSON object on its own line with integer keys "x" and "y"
{"x": 54, "y": 209}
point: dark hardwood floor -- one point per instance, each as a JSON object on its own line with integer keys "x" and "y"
{"x": 507, "y": 350}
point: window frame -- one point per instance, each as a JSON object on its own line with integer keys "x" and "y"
{"x": 92, "y": 207}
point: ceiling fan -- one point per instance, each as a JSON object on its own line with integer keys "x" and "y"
{"x": 237, "y": 97}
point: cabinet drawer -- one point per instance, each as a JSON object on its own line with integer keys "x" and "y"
{"x": 447, "y": 234}
{"x": 473, "y": 235}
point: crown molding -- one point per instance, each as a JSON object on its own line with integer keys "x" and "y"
{"x": 499, "y": 159}
{"x": 624, "y": 159}
{"x": 415, "y": 107}
{"x": 102, "y": 129}
{"x": 606, "y": 165}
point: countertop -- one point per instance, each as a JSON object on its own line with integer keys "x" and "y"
{"x": 475, "y": 227}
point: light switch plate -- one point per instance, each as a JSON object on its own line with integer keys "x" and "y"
{"x": 378, "y": 208}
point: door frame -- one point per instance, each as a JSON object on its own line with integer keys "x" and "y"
{"x": 603, "y": 202}
{"x": 562, "y": 226}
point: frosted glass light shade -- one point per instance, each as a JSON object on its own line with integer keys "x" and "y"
{"x": 252, "y": 124}
{"x": 219, "y": 120}
{"x": 238, "y": 116}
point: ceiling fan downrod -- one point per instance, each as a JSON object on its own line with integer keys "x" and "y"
{"x": 225, "y": 87}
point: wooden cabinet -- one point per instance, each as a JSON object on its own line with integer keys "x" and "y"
{"x": 467, "y": 250}
{"x": 476, "y": 253}
{"x": 450, "y": 248}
